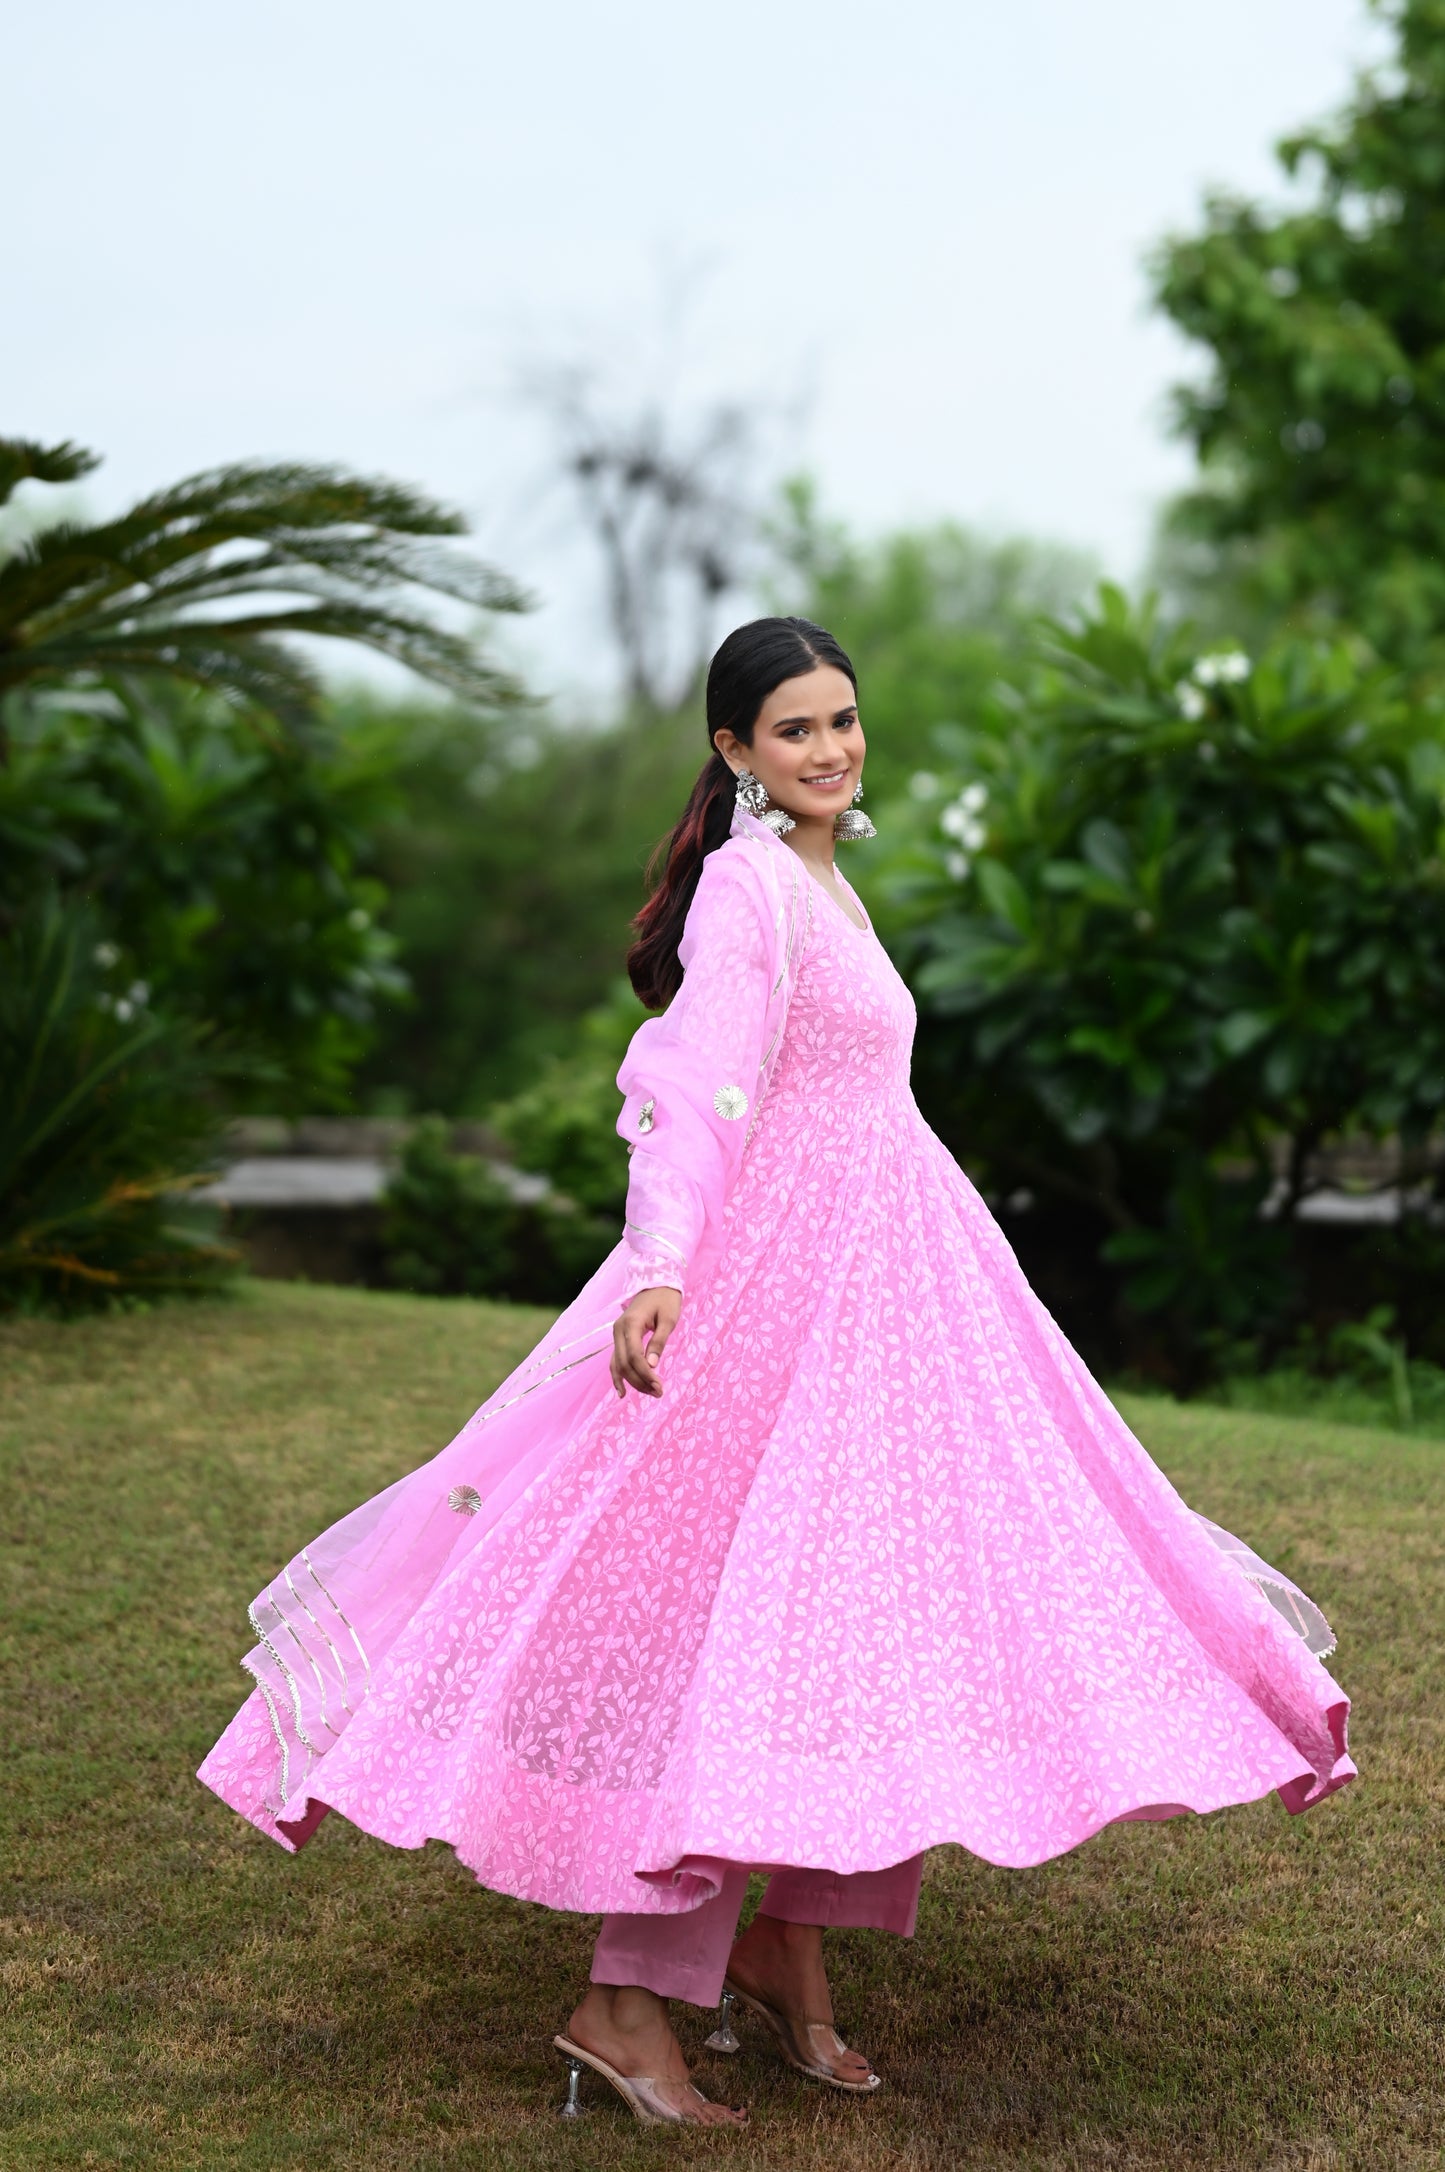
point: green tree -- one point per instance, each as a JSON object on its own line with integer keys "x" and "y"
{"x": 165, "y": 755}
{"x": 185, "y": 918}
{"x": 1320, "y": 422}
{"x": 1178, "y": 912}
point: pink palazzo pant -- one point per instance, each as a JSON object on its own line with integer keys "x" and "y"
{"x": 686, "y": 1956}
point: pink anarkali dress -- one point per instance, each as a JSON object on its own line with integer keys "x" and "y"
{"x": 882, "y": 1568}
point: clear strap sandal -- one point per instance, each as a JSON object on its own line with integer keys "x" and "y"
{"x": 809, "y": 2046}
{"x": 640, "y": 2092}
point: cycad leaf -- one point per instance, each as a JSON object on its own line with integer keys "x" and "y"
{"x": 334, "y": 555}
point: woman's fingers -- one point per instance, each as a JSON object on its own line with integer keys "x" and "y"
{"x": 662, "y": 1328}
{"x": 629, "y": 1355}
{"x": 642, "y": 1353}
{"x": 638, "y": 1340}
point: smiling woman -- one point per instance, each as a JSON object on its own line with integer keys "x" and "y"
{"x": 781, "y": 695}
{"x": 866, "y": 1562}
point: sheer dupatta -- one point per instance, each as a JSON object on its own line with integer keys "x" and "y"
{"x": 694, "y": 1080}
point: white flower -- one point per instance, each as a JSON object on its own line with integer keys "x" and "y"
{"x": 123, "y": 1011}
{"x": 1192, "y": 703}
{"x": 973, "y": 797}
{"x": 960, "y": 821}
{"x": 106, "y": 955}
{"x": 923, "y": 784}
{"x": 138, "y": 993}
{"x": 1226, "y": 669}
{"x": 958, "y": 864}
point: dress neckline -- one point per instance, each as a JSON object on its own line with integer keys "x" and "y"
{"x": 867, "y": 927}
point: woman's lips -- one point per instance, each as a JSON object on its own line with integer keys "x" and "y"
{"x": 834, "y": 778}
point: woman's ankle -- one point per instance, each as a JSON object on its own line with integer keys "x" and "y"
{"x": 786, "y": 1937}
{"x": 626, "y": 2009}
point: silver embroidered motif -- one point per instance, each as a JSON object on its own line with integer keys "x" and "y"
{"x": 731, "y": 1102}
{"x": 465, "y": 1500}
{"x": 644, "y": 1116}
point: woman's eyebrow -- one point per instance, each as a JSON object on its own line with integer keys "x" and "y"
{"x": 783, "y": 723}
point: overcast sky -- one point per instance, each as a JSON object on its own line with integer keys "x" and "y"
{"x": 342, "y": 231}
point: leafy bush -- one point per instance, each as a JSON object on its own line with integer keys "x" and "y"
{"x": 224, "y": 863}
{"x": 453, "y": 1226}
{"x": 106, "y": 1116}
{"x": 1173, "y": 919}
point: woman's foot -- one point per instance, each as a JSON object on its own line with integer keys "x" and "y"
{"x": 782, "y": 1964}
{"x": 629, "y": 2028}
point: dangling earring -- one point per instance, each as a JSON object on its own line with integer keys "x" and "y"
{"x": 852, "y": 824}
{"x": 753, "y": 799}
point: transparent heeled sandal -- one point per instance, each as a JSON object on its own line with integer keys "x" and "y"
{"x": 639, "y": 2092}
{"x": 808, "y": 2046}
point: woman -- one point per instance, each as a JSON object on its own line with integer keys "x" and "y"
{"x": 804, "y": 1542}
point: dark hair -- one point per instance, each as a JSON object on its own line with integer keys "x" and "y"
{"x": 752, "y": 661}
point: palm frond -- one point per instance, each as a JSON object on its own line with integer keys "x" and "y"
{"x": 23, "y": 460}
{"x": 340, "y": 557}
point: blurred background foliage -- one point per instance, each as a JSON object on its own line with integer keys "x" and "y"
{"x": 107, "y": 1106}
{"x": 224, "y": 862}
{"x": 1167, "y": 874}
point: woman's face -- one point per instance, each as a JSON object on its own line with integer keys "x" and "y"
{"x": 807, "y": 745}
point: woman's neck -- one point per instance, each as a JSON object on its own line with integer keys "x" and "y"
{"x": 813, "y": 843}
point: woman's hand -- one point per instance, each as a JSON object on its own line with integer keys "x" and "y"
{"x": 639, "y": 1338}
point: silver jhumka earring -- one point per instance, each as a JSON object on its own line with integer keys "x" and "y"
{"x": 753, "y": 799}
{"x": 852, "y": 824}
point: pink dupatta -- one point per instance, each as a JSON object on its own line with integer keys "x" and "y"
{"x": 693, "y": 1082}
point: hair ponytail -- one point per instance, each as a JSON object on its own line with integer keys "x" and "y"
{"x": 707, "y": 818}
{"x": 751, "y": 662}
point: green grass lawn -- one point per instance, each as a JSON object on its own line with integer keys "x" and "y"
{"x": 1244, "y": 1990}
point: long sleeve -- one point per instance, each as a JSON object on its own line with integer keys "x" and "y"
{"x": 691, "y": 1078}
